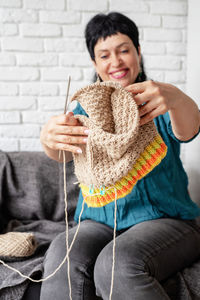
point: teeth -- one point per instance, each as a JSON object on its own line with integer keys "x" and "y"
{"x": 118, "y": 73}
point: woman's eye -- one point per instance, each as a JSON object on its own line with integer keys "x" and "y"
{"x": 103, "y": 56}
{"x": 124, "y": 51}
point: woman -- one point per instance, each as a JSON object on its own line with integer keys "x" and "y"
{"x": 161, "y": 237}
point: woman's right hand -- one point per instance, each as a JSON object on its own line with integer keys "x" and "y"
{"x": 63, "y": 132}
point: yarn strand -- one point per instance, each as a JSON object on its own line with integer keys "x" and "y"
{"x": 67, "y": 225}
{"x": 114, "y": 246}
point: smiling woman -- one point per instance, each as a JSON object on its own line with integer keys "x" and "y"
{"x": 126, "y": 44}
{"x": 156, "y": 217}
{"x": 117, "y": 59}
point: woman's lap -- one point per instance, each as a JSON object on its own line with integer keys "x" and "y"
{"x": 146, "y": 253}
{"x": 91, "y": 238}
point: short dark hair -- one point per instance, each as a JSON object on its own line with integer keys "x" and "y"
{"x": 102, "y": 26}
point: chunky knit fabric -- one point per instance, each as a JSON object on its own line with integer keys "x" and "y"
{"x": 17, "y": 244}
{"x": 118, "y": 152}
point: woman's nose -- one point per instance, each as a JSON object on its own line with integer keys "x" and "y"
{"x": 116, "y": 60}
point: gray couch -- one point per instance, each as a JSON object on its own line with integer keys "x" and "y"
{"x": 31, "y": 200}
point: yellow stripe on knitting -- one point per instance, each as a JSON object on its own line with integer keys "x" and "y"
{"x": 148, "y": 160}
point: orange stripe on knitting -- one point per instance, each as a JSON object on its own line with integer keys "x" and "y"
{"x": 124, "y": 189}
{"x": 129, "y": 185}
{"x": 119, "y": 192}
{"x": 151, "y": 161}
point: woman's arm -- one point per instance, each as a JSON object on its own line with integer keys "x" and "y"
{"x": 63, "y": 132}
{"x": 185, "y": 117}
{"x": 156, "y": 98}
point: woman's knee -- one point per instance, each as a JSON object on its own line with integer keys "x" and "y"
{"x": 127, "y": 261}
{"x": 103, "y": 270}
{"x": 89, "y": 241}
{"x": 56, "y": 251}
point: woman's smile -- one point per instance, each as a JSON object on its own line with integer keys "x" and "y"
{"x": 119, "y": 73}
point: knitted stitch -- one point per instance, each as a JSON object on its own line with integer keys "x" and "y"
{"x": 119, "y": 151}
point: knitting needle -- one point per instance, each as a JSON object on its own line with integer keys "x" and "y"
{"x": 67, "y": 96}
{"x": 66, "y": 104}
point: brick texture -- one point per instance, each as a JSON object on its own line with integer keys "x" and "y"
{"x": 42, "y": 43}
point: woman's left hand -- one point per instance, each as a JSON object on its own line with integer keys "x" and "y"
{"x": 154, "y": 98}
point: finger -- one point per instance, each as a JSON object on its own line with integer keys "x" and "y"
{"x": 150, "y": 116}
{"x": 71, "y": 120}
{"x": 136, "y": 88}
{"x": 140, "y": 87}
{"x": 141, "y": 98}
{"x": 62, "y": 146}
{"x": 72, "y": 130}
{"x": 70, "y": 148}
{"x": 68, "y": 139}
{"x": 147, "y": 108}
{"x": 67, "y": 119}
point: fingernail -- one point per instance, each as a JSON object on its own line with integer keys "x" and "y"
{"x": 79, "y": 151}
{"x": 86, "y": 131}
{"x": 85, "y": 140}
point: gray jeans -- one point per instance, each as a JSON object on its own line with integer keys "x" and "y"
{"x": 146, "y": 254}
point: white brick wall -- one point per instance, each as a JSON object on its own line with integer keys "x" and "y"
{"x": 42, "y": 42}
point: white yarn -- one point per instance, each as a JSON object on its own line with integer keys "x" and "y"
{"x": 114, "y": 245}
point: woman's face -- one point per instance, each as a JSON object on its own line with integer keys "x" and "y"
{"x": 116, "y": 59}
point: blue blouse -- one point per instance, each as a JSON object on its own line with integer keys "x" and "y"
{"x": 162, "y": 193}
